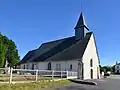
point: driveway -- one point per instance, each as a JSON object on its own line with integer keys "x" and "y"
{"x": 111, "y": 83}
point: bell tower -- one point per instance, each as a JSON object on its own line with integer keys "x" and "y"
{"x": 81, "y": 28}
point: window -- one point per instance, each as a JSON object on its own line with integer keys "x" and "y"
{"x": 91, "y": 63}
{"x": 35, "y": 66}
{"x": 70, "y": 66}
{"x": 117, "y": 67}
{"x": 32, "y": 66}
{"x": 24, "y": 66}
{"x": 91, "y": 72}
{"x": 58, "y": 66}
{"x": 49, "y": 66}
{"x": 27, "y": 67}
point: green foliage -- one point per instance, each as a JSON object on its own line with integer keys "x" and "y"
{"x": 2, "y": 52}
{"x": 12, "y": 53}
{"x": 113, "y": 68}
{"x": 101, "y": 69}
{"x": 8, "y": 52}
{"x": 107, "y": 68}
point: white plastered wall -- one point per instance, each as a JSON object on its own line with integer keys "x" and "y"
{"x": 65, "y": 65}
{"x": 90, "y": 53}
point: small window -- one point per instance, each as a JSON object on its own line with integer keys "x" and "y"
{"x": 91, "y": 72}
{"x": 32, "y": 66}
{"x": 91, "y": 63}
{"x": 49, "y": 66}
{"x": 27, "y": 67}
{"x": 117, "y": 67}
{"x": 58, "y": 66}
{"x": 35, "y": 66}
{"x": 71, "y": 67}
{"x": 24, "y": 66}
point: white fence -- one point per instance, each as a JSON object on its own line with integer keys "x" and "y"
{"x": 27, "y": 75}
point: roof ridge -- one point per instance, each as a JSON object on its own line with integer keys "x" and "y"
{"x": 57, "y": 40}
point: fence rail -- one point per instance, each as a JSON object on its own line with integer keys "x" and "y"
{"x": 16, "y": 75}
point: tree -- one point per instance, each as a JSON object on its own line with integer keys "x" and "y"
{"x": 8, "y": 51}
{"x": 101, "y": 69}
{"x": 12, "y": 54}
{"x": 2, "y": 52}
{"x": 106, "y": 68}
{"x": 2, "y": 55}
{"x": 113, "y": 68}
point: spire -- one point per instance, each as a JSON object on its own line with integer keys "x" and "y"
{"x": 116, "y": 62}
{"x": 81, "y": 22}
{"x": 81, "y": 28}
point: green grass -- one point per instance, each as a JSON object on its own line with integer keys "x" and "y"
{"x": 33, "y": 86}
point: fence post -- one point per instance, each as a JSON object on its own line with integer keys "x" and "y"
{"x": 36, "y": 76}
{"x": 52, "y": 74}
{"x": 11, "y": 70}
{"x": 67, "y": 74}
{"x": 61, "y": 74}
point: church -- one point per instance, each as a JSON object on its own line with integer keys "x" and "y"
{"x": 75, "y": 53}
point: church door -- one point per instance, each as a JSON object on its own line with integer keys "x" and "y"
{"x": 80, "y": 71}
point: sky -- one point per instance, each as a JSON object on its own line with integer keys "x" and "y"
{"x": 31, "y": 22}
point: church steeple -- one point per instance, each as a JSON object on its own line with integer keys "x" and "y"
{"x": 81, "y": 28}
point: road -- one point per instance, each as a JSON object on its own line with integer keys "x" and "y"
{"x": 111, "y": 83}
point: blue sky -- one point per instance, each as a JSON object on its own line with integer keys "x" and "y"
{"x": 32, "y": 22}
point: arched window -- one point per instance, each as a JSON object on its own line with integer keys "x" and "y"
{"x": 32, "y": 66}
{"x": 91, "y": 63}
{"x": 49, "y": 66}
{"x": 70, "y": 66}
{"x": 27, "y": 66}
{"x": 91, "y": 73}
{"x": 117, "y": 67}
{"x": 24, "y": 66}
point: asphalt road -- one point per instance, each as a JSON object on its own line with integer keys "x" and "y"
{"x": 111, "y": 83}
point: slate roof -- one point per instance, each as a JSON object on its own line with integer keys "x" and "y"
{"x": 42, "y": 49}
{"x": 27, "y": 56}
{"x": 118, "y": 64}
{"x": 72, "y": 52}
{"x": 81, "y": 22}
{"x": 63, "y": 49}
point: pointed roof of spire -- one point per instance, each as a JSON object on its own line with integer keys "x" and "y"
{"x": 81, "y": 22}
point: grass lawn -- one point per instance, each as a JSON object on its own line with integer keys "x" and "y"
{"x": 34, "y": 86}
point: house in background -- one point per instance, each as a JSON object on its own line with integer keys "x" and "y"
{"x": 117, "y": 68}
{"x": 75, "y": 53}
